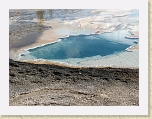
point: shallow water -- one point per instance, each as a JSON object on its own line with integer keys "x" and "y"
{"x": 82, "y": 46}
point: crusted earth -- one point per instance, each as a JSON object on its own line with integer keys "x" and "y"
{"x": 52, "y": 85}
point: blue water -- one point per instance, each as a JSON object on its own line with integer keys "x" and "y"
{"x": 83, "y": 46}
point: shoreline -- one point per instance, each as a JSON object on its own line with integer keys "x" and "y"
{"x": 63, "y": 64}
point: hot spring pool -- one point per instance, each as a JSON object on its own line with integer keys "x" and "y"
{"x": 82, "y": 46}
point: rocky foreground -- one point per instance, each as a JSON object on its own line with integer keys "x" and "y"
{"x": 52, "y": 85}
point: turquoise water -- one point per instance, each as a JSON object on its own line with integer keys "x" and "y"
{"x": 82, "y": 46}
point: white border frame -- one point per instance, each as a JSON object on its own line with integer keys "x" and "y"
{"x": 142, "y": 109}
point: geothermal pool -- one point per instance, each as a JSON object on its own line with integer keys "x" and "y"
{"x": 82, "y": 47}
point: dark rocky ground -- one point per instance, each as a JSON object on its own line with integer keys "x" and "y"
{"x": 46, "y": 85}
